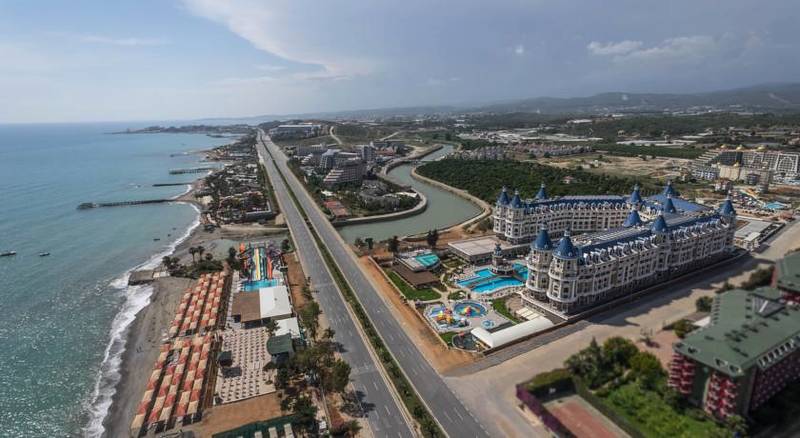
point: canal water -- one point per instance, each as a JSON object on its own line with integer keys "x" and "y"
{"x": 444, "y": 208}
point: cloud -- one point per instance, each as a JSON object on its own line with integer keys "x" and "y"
{"x": 620, "y": 48}
{"x": 519, "y": 49}
{"x": 269, "y": 67}
{"x": 125, "y": 42}
{"x": 679, "y": 49}
{"x": 278, "y": 29}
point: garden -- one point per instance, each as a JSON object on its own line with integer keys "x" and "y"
{"x": 629, "y": 387}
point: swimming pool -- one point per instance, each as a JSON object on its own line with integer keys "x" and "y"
{"x": 428, "y": 259}
{"x": 250, "y": 286}
{"x": 496, "y": 283}
{"x": 485, "y": 281}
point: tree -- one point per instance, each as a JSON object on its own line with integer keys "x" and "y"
{"x": 271, "y": 326}
{"x": 432, "y": 238}
{"x": 200, "y": 250}
{"x": 393, "y": 245}
{"x": 305, "y": 413}
{"x": 167, "y": 262}
{"x": 282, "y": 378}
{"x": 209, "y": 256}
{"x": 353, "y": 426}
{"x": 192, "y": 251}
{"x": 737, "y": 425}
{"x": 703, "y": 304}
{"x": 647, "y": 370}
{"x": 328, "y": 333}
{"x": 370, "y": 242}
{"x": 285, "y": 246}
{"x": 618, "y": 350}
{"x": 358, "y": 242}
{"x": 309, "y": 314}
{"x": 338, "y": 376}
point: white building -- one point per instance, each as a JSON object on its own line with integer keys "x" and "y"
{"x": 630, "y": 243}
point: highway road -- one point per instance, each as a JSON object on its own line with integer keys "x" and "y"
{"x": 448, "y": 410}
{"x": 383, "y": 411}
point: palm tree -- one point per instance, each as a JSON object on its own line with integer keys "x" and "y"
{"x": 209, "y": 257}
{"x": 328, "y": 333}
{"x": 200, "y": 250}
{"x": 271, "y": 326}
{"x": 192, "y": 251}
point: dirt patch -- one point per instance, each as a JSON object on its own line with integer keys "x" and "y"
{"x": 582, "y": 419}
{"x": 430, "y": 345}
{"x": 661, "y": 346}
{"x": 232, "y": 415}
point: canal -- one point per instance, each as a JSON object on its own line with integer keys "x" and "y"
{"x": 444, "y": 208}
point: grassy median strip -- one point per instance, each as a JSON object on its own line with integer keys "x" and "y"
{"x": 428, "y": 425}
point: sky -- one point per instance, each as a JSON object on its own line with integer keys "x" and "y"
{"x": 99, "y": 60}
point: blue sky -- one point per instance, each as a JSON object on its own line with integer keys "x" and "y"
{"x": 84, "y": 60}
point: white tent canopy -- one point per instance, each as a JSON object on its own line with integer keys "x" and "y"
{"x": 511, "y": 334}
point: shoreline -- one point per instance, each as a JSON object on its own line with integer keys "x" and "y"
{"x": 144, "y": 336}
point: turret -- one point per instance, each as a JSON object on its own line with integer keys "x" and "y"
{"x": 669, "y": 190}
{"x": 669, "y": 206}
{"x": 516, "y": 201}
{"x": 633, "y": 219}
{"x": 503, "y": 199}
{"x": 542, "y": 193}
{"x": 636, "y": 197}
{"x": 660, "y": 224}
{"x": 726, "y": 209}
{"x": 565, "y": 249}
{"x": 542, "y": 242}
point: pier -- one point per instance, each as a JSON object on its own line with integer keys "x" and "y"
{"x": 171, "y": 184}
{"x": 192, "y": 170}
{"x": 88, "y": 205}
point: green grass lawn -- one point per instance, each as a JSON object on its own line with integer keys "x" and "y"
{"x": 653, "y": 417}
{"x": 448, "y": 337}
{"x": 411, "y": 293}
{"x": 499, "y": 305}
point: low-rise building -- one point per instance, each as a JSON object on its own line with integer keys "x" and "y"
{"x": 745, "y": 355}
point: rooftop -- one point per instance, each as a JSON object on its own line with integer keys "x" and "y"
{"x": 789, "y": 272}
{"x": 747, "y": 328}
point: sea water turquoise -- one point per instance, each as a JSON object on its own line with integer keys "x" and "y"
{"x": 63, "y": 316}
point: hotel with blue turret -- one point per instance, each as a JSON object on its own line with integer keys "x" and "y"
{"x": 587, "y": 250}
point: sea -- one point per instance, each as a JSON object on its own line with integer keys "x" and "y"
{"x": 64, "y": 315}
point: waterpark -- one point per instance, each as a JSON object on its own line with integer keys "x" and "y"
{"x": 262, "y": 265}
{"x": 461, "y": 316}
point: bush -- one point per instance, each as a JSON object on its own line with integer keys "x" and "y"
{"x": 682, "y": 328}
{"x": 703, "y": 304}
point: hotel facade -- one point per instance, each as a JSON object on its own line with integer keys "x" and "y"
{"x": 628, "y": 243}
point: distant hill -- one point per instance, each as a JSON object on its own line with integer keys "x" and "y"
{"x": 758, "y": 98}
{"x": 768, "y": 97}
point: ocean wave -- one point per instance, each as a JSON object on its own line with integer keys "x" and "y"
{"x": 137, "y": 298}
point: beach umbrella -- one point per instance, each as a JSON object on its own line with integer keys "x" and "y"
{"x": 138, "y": 421}
{"x": 165, "y": 414}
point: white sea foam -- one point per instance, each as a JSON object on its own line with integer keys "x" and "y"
{"x": 136, "y": 299}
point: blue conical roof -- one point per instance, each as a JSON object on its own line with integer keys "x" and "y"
{"x": 497, "y": 250}
{"x": 565, "y": 249}
{"x": 516, "y": 201}
{"x": 636, "y": 197}
{"x": 669, "y": 190}
{"x": 659, "y": 225}
{"x": 632, "y": 220}
{"x": 542, "y": 242}
{"x": 503, "y": 199}
{"x": 669, "y": 206}
{"x": 542, "y": 193}
{"x": 726, "y": 209}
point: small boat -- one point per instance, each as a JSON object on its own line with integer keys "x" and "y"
{"x": 44, "y": 254}
{"x": 8, "y": 253}
{"x": 156, "y": 239}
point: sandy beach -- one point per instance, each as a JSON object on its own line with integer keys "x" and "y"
{"x": 148, "y": 331}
